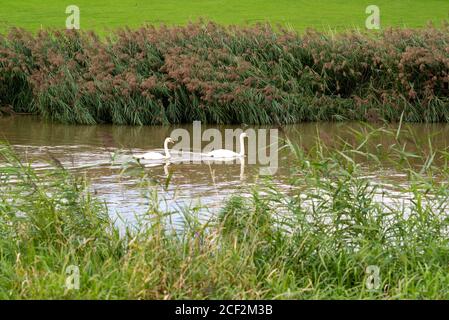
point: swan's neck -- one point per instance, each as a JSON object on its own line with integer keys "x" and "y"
{"x": 242, "y": 146}
{"x": 167, "y": 153}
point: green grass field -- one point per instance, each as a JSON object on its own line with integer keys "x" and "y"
{"x": 102, "y": 15}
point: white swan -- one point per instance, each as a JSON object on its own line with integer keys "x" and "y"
{"x": 156, "y": 155}
{"x": 223, "y": 153}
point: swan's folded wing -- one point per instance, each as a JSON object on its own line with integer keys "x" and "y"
{"x": 149, "y": 156}
{"x": 222, "y": 153}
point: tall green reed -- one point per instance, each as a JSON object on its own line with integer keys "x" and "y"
{"x": 314, "y": 241}
{"x": 218, "y": 74}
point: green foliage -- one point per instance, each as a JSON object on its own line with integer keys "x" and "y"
{"x": 314, "y": 241}
{"x": 227, "y": 75}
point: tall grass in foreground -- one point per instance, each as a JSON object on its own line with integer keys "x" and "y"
{"x": 221, "y": 74}
{"x": 314, "y": 242}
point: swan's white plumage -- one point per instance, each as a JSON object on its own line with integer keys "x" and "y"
{"x": 223, "y": 153}
{"x": 226, "y": 154}
{"x": 156, "y": 155}
{"x": 150, "y": 156}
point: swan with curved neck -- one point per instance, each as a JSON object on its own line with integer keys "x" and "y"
{"x": 156, "y": 155}
{"x": 223, "y": 153}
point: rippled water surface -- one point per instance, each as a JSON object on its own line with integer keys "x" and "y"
{"x": 88, "y": 149}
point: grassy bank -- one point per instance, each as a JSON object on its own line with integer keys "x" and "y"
{"x": 227, "y": 75}
{"x": 102, "y": 15}
{"x": 316, "y": 242}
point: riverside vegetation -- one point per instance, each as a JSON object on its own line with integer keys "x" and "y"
{"x": 315, "y": 241}
{"x": 217, "y": 74}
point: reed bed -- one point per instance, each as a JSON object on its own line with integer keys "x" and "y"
{"x": 218, "y": 74}
{"x": 315, "y": 242}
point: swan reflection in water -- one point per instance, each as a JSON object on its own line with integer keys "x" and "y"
{"x": 179, "y": 162}
{"x": 156, "y": 164}
{"x": 226, "y": 162}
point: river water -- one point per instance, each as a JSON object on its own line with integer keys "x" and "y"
{"x": 103, "y": 154}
